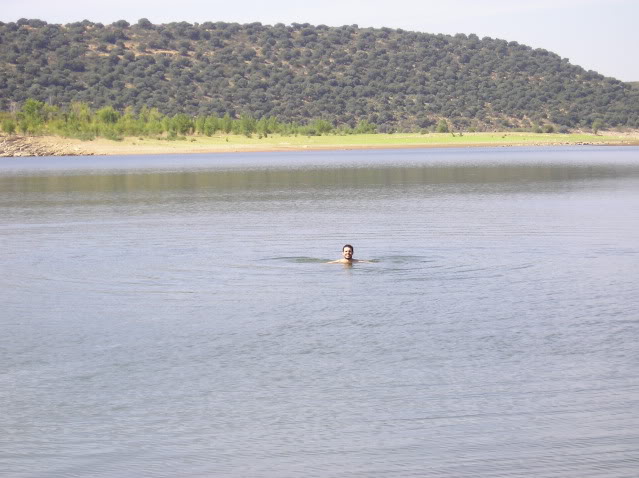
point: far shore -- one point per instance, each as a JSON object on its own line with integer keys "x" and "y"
{"x": 15, "y": 146}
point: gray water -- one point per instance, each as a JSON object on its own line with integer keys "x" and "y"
{"x": 174, "y": 315}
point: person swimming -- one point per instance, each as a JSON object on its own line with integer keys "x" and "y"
{"x": 347, "y": 256}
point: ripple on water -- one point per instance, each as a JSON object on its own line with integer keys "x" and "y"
{"x": 184, "y": 323}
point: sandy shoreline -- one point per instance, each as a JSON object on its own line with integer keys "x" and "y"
{"x": 17, "y": 146}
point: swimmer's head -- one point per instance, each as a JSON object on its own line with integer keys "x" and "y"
{"x": 347, "y": 251}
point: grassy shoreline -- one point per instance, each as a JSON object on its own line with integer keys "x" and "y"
{"x": 234, "y": 143}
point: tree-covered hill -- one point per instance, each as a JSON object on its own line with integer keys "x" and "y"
{"x": 393, "y": 78}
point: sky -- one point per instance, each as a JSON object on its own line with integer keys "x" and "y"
{"x": 599, "y": 35}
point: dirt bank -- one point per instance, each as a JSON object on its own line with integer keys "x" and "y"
{"x": 16, "y": 146}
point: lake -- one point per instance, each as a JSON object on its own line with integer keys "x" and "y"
{"x": 174, "y": 315}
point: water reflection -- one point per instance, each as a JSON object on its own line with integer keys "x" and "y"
{"x": 325, "y": 178}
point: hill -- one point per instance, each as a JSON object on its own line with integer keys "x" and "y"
{"x": 396, "y": 79}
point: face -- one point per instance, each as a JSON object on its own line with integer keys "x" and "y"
{"x": 347, "y": 252}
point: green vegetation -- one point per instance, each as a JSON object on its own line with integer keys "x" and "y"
{"x": 229, "y": 77}
{"x": 597, "y": 125}
{"x": 442, "y": 126}
{"x": 80, "y": 121}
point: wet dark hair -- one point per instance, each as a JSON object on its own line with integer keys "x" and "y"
{"x": 348, "y": 245}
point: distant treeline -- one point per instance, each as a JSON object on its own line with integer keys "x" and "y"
{"x": 398, "y": 80}
{"x": 80, "y": 121}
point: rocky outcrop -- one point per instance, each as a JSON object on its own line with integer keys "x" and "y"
{"x": 16, "y": 146}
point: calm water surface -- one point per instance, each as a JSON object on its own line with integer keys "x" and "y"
{"x": 174, "y": 316}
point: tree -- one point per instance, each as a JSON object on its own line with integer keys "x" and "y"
{"x": 181, "y": 124}
{"x": 227, "y": 123}
{"x": 364, "y": 127}
{"x": 145, "y": 23}
{"x": 597, "y": 125}
{"x": 80, "y": 112}
{"x": 9, "y": 126}
{"x": 31, "y": 117}
{"x": 211, "y": 125}
{"x": 247, "y": 125}
{"x": 121, "y": 24}
{"x": 442, "y": 126}
{"x": 107, "y": 115}
{"x": 33, "y": 109}
{"x": 321, "y": 126}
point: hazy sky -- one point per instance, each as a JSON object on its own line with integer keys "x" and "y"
{"x": 598, "y": 35}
